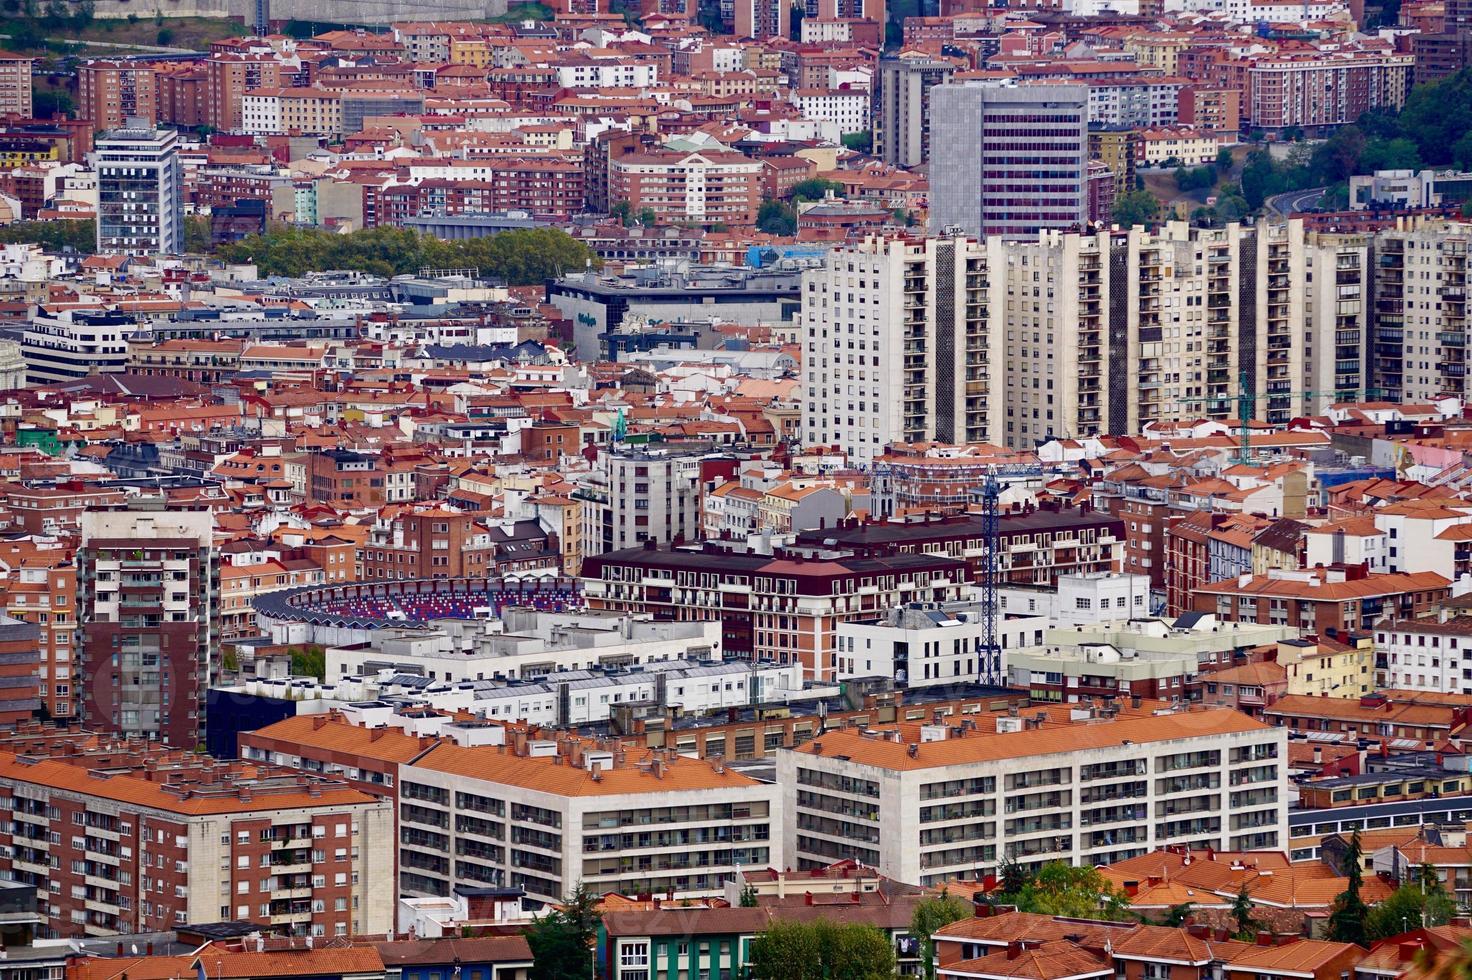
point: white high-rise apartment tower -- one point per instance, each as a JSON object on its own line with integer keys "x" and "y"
{"x": 140, "y": 192}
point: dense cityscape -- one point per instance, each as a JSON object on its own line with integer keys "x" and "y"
{"x": 735, "y": 490}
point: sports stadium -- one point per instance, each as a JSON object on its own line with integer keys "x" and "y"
{"x": 351, "y": 612}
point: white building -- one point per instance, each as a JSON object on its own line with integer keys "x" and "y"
{"x": 607, "y": 74}
{"x": 546, "y": 815}
{"x": 526, "y": 647}
{"x": 585, "y": 697}
{"x": 1070, "y": 784}
{"x": 1101, "y": 598}
{"x": 930, "y": 644}
{"x": 140, "y": 187}
{"x": 1425, "y": 655}
{"x": 75, "y": 343}
{"x": 848, "y": 109}
{"x": 634, "y": 495}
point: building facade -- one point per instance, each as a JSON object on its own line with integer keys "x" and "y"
{"x": 148, "y": 592}
{"x": 140, "y": 193}
{"x": 960, "y": 800}
{"x": 1009, "y": 160}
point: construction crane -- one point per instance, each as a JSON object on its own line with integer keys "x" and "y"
{"x": 1246, "y": 400}
{"x": 989, "y": 660}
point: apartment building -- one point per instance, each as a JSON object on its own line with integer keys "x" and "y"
{"x": 15, "y": 86}
{"x": 1093, "y": 334}
{"x": 902, "y": 107}
{"x": 1082, "y": 785}
{"x": 1009, "y": 160}
{"x": 148, "y": 607}
{"x": 932, "y": 644}
{"x": 898, "y": 346}
{"x": 546, "y": 813}
{"x": 1433, "y": 655}
{"x": 637, "y": 494}
{"x": 110, "y": 93}
{"x": 1324, "y": 89}
{"x": 707, "y": 186}
{"x": 782, "y": 608}
{"x": 1337, "y": 599}
{"x": 1036, "y": 545}
{"x": 230, "y": 76}
{"x": 140, "y": 193}
{"x": 41, "y": 589}
{"x": 442, "y": 542}
{"x": 163, "y": 839}
{"x": 291, "y": 111}
{"x": 1420, "y": 297}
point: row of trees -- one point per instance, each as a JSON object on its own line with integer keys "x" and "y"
{"x": 521, "y": 257}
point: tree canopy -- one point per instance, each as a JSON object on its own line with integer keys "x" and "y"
{"x": 1059, "y": 888}
{"x": 1422, "y": 902}
{"x": 53, "y": 236}
{"x": 822, "y": 950}
{"x": 1347, "y": 915}
{"x": 931, "y": 914}
{"x": 1136, "y": 208}
{"x": 562, "y": 940}
{"x": 522, "y": 257}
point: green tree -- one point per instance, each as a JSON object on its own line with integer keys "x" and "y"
{"x": 1059, "y": 888}
{"x": 1012, "y": 876}
{"x": 309, "y": 662}
{"x": 1223, "y": 161}
{"x": 1436, "y": 116}
{"x": 1136, "y": 208}
{"x": 48, "y": 103}
{"x": 1339, "y": 156}
{"x": 1259, "y": 179}
{"x": 522, "y": 257}
{"x": 623, "y": 211}
{"x": 930, "y": 915}
{"x": 1395, "y": 154}
{"x": 776, "y": 218}
{"x": 562, "y": 940}
{"x": 822, "y": 950}
{"x": 197, "y": 238}
{"x": 1178, "y": 915}
{"x": 53, "y": 236}
{"x": 1242, "y": 914}
{"x": 748, "y": 896}
{"x": 1347, "y": 915}
{"x": 788, "y": 950}
{"x": 860, "y": 142}
{"x": 1422, "y": 902}
{"x": 648, "y": 218}
{"x": 814, "y": 189}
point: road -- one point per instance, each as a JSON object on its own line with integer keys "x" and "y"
{"x": 1285, "y": 204}
{"x": 149, "y": 48}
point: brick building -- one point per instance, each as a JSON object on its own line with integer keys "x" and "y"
{"x": 706, "y": 187}
{"x": 781, "y": 607}
{"x": 1036, "y": 545}
{"x": 1338, "y": 599}
{"x": 147, "y": 597}
{"x": 440, "y": 542}
{"x": 111, "y": 92}
{"x": 166, "y": 838}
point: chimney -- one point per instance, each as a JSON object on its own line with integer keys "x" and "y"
{"x": 1264, "y": 938}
